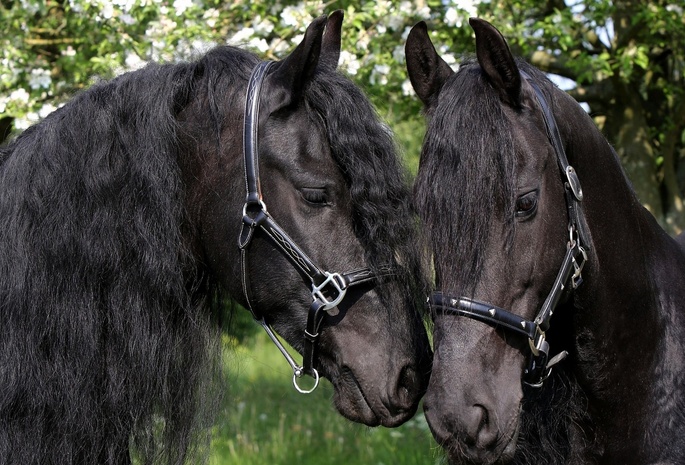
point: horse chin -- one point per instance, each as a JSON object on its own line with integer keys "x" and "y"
{"x": 350, "y": 400}
{"x": 500, "y": 456}
{"x": 354, "y": 404}
{"x": 459, "y": 453}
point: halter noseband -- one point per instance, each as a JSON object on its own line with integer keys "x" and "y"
{"x": 328, "y": 289}
{"x": 568, "y": 277}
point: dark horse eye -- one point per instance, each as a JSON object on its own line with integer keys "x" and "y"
{"x": 527, "y": 204}
{"x": 315, "y": 196}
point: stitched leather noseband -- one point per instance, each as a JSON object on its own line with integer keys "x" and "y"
{"x": 328, "y": 289}
{"x": 568, "y": 277}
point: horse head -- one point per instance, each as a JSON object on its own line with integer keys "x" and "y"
{"x": 326, "y": 223}
{"x": 491, "y": 191}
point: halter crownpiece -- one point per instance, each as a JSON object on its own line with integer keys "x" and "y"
{"x": 568, "y": 278}
{"x": 328, "y": 289}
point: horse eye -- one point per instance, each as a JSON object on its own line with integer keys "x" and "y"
{"x": 527, "y": 204}
{"x": 315, "y": 196}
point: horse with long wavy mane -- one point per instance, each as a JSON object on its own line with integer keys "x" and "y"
{"x": 559, "y": 315}
{"x": 124, "y": 227}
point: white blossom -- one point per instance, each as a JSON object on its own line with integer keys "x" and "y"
{"x": 181, "y": 6}
{"x": 46, "y": 110}
{"x": 259, "y": 44}
{"x": 262, "y": 27}
{"x": 379, "y": 75}
{"x": 349, "y": 62}
{"x": 470, "y": 7}
{"x": 20, "y": 95}
{"x": 241, "y": 37}
{"x": 133, "y": 61}
{"x": 127, "y": 19}
{"x": 398, "y": 54}
{"x": 297, "y": 39}
{"x": 124, "y": 5}
{"x": 279, "y": 46}
{"x": 26, "y": 121}
{"x": 294, "y": 16}
{"x": 211, "y": 16}
{"x": 40, "y": 78}
{"x": 452, "y": 17}
{"x": 407, "y": 88}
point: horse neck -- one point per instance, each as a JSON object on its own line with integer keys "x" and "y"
{"x": 630, "y": 323}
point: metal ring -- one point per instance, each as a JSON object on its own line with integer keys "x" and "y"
{"x": 305, "y": 391}
{"x": 261, "y": 204}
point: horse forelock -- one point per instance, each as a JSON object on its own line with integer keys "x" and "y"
{"x": 466, "y": 176}
{"x": 364, "y": 149}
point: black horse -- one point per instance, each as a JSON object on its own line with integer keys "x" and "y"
{"x": 120, "y": 217}
{"x": 516, "y": 239}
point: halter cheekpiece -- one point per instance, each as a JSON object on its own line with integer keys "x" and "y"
{"x": 328, "y": 289}
{"x": 568, "y": 277}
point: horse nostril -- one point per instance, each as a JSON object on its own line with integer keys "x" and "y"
{"x": 481, "y": 430}
{"x": 407, "y": 389}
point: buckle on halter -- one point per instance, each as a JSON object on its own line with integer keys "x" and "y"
{"x": 331, "y": 291}
{"x": 536, "y": 372}
{"x": 574, "y": 183}
{"x": 577, "y": 278}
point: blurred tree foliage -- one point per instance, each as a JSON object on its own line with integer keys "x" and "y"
{"x": 625, "y": 59}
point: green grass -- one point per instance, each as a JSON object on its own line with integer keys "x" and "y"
{"x": 265, "y": 421}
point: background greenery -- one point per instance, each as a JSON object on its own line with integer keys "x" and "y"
{"x": 623, "y": 59}
{"x": 265, "y": 420}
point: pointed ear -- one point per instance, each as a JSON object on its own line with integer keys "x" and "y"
{"x": 427, "y": 71}
{"x": 497, "y": 61}
{"x": 330, "y": 49}
{"x": 286, "y": 82}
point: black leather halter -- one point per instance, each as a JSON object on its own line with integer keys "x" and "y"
{"x": 568, "y": 277}
{"x": 328, "y": 289}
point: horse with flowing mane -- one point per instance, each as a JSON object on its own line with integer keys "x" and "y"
{"x": 559, "y": 316}
{"x": 130, "y": 215}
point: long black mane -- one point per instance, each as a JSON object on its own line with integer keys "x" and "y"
{"x": 108, "y": 337}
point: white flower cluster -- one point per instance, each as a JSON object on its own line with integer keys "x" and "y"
{"x": 374, "y": 38}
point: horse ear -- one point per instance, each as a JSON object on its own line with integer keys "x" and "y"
{"x": 497, "y": 61}
{"x": 427, "y": 71}
{"x": 332, "y": 37}
{"x": 287, "y": 81}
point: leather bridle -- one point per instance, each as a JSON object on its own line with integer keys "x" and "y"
{"x": 328, "y": 289}
{"x": 568, "y": 277}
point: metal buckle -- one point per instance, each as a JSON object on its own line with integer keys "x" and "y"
{"x": 574, "y": 183}
{"x": 576, "y": 278}
{"x": 538, "y": 362}
{"x": 339, "y": 288}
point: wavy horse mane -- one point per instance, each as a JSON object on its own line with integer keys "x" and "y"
{"x": 459, "y": 215}
{"x": 109, "y": 341}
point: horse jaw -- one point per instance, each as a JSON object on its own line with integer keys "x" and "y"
{"x": 371, "y": 387}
